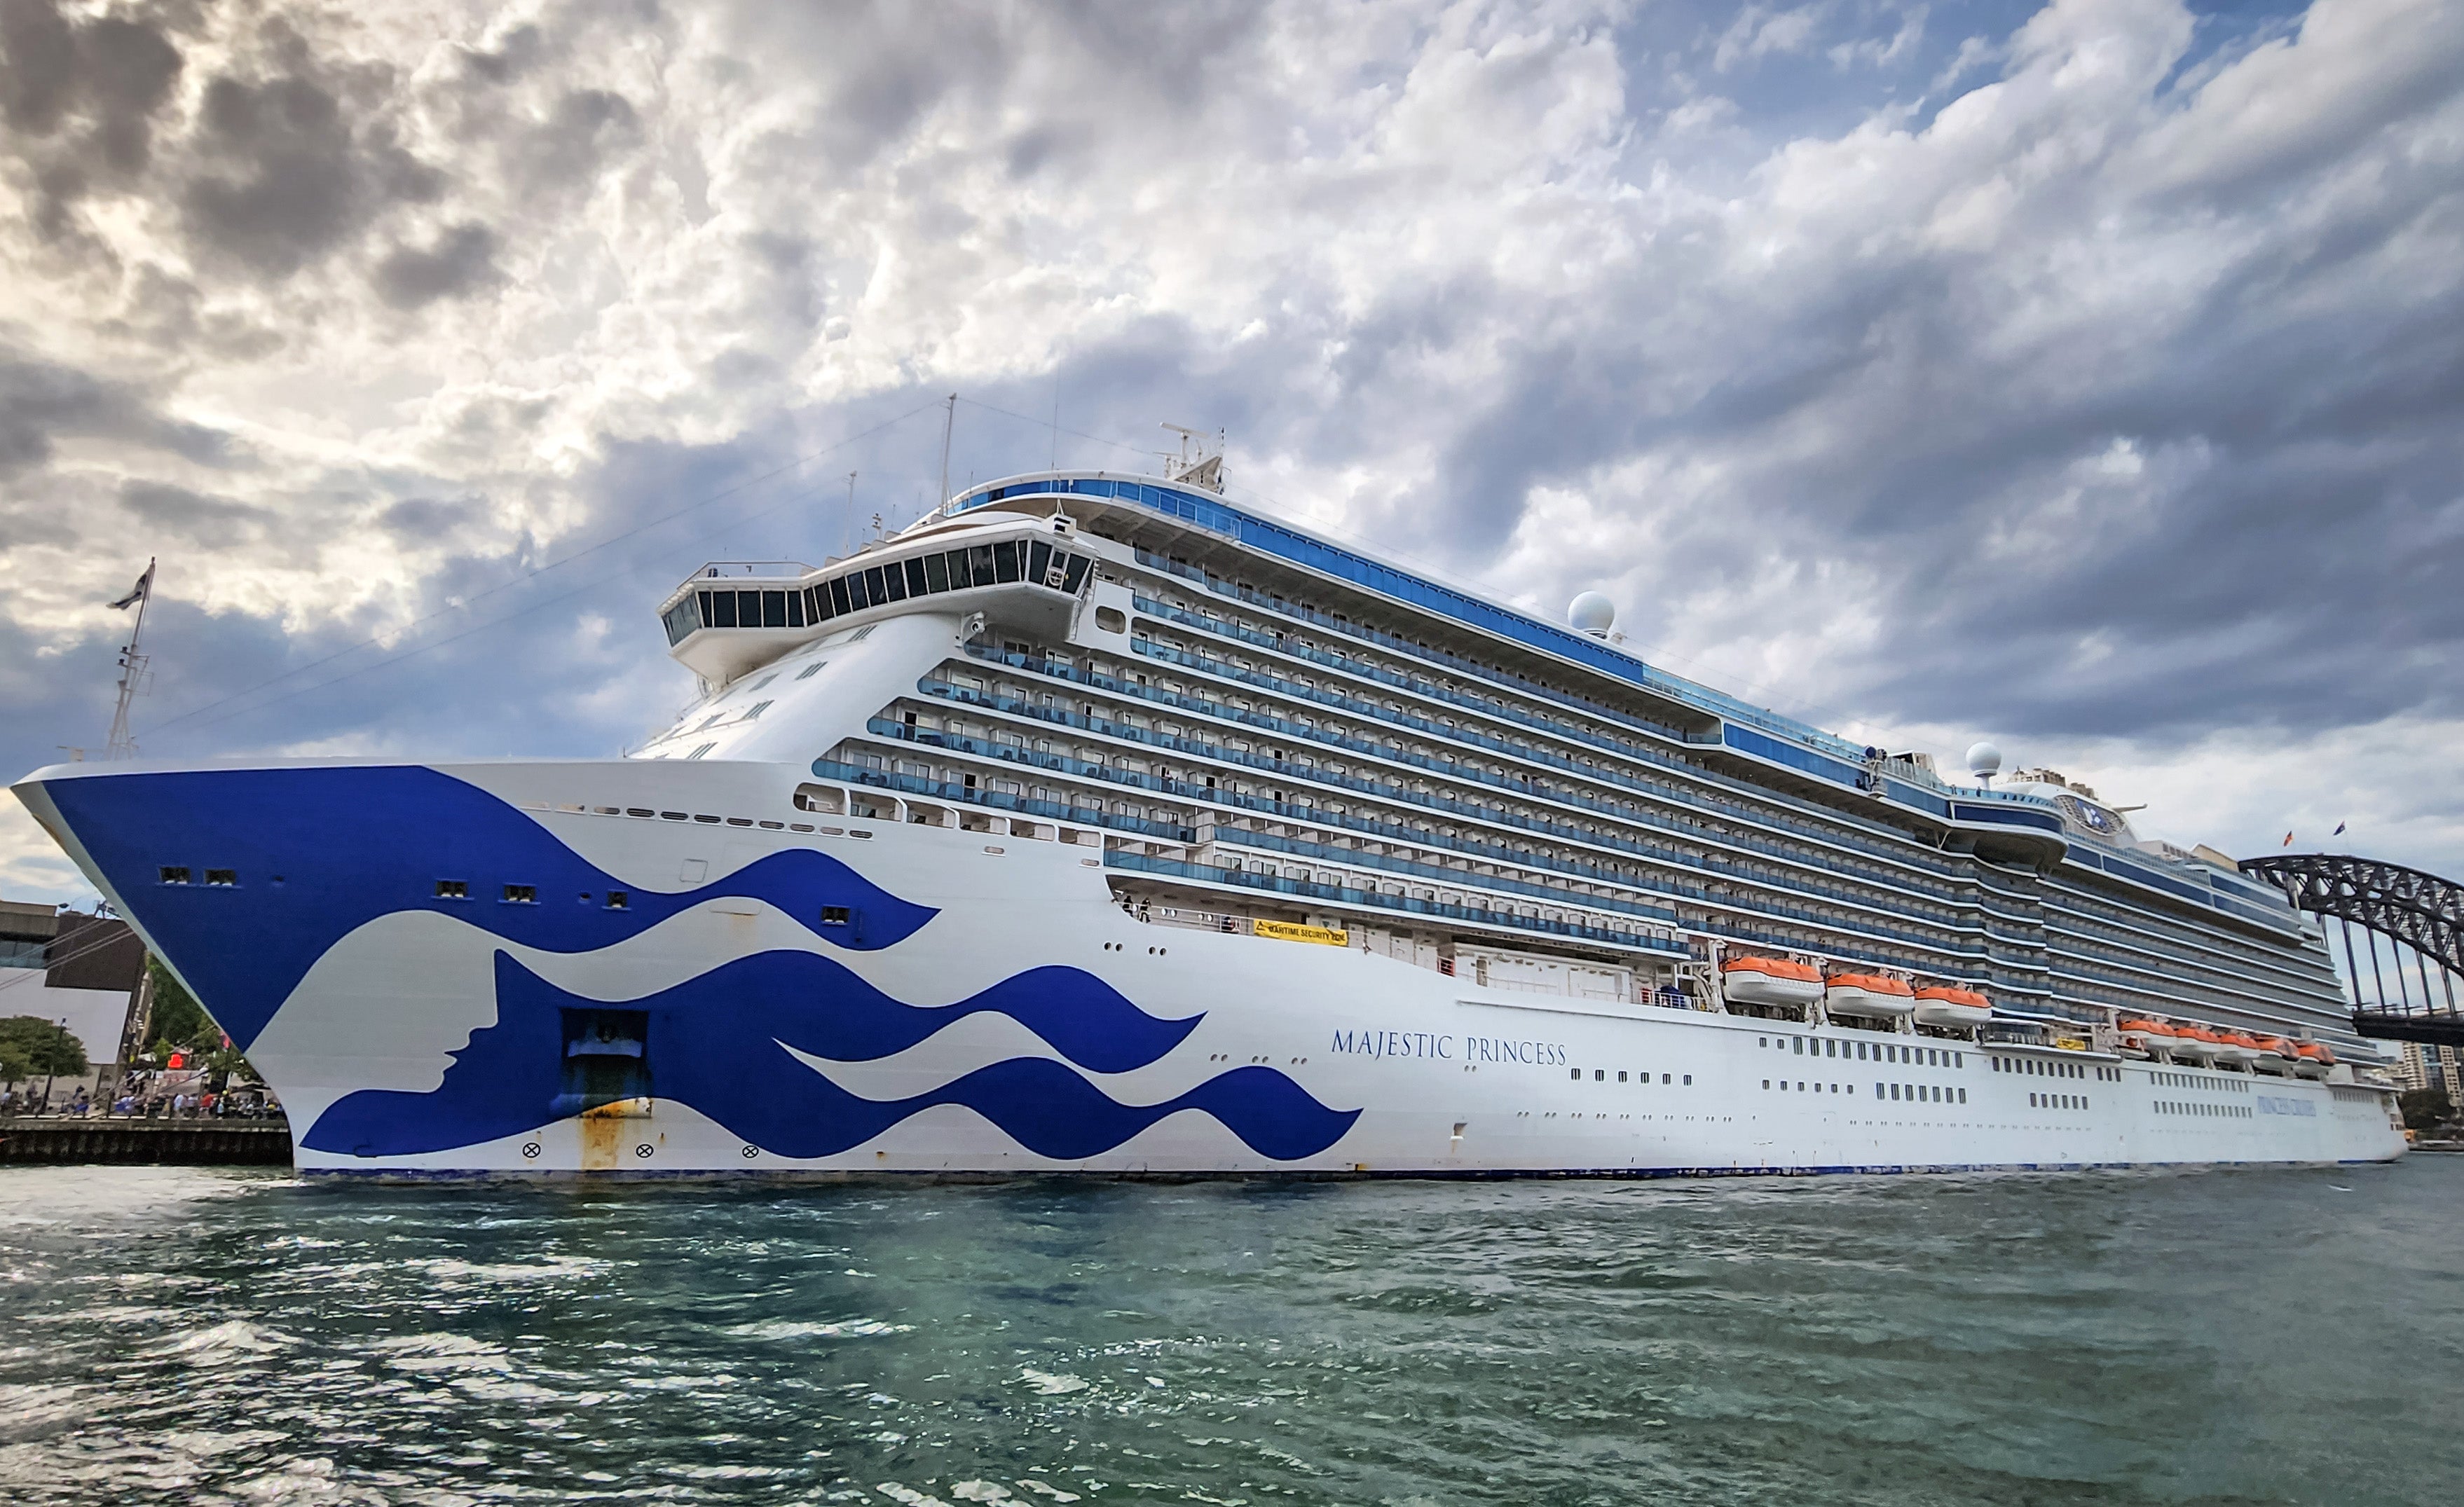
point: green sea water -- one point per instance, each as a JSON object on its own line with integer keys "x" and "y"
{"x": 2266, "y": 1336}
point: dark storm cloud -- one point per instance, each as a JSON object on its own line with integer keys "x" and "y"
{"x": 461, "y": 260}
{"x": 288, "y": 173}
{"x": 194, "y": 518}
{"x": 43, "y": 402}
{"x": 79, "y": 98}
{"x": 420, "y": 518}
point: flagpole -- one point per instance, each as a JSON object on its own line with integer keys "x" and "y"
{"x": 132, "y": 670}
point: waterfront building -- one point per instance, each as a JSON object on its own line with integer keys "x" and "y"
{"x": 83, "y": 973}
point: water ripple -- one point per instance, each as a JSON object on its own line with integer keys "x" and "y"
{"x": 207, "y": 1336}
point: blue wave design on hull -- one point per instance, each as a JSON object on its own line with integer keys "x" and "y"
{"x": 718, "y": 1043}
{"x": 355, "y": 842}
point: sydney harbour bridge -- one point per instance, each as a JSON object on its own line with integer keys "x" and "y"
{"x": 2420, "y": 914}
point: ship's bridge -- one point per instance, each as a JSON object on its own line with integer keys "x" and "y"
{"x": 731, "y": 616}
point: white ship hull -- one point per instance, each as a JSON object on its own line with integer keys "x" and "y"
{"x": 867, "y": 997}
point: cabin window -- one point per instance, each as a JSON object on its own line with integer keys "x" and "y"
{"x": 1005, "y": 560}
{"x": 618, "y": 899}
{"x": 1039, "y": 561}
{"x": 722, "y": 609}
{"x": 937, "y": 573}
{"x": 915, "y": 585}
{"x": 522, "y": 894}
{"x": 174, "y": 874}
{"x": 979, "y": 565}
{"x": 221, "y": 876}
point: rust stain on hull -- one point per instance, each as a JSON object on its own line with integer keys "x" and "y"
{"x": 607, "y": 1133}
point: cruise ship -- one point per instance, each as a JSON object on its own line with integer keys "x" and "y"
{"x": 1098, "y": 824}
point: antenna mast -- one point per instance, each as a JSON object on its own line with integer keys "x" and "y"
{"x": 949, "y": 427}
{"x": 133, "y": 674}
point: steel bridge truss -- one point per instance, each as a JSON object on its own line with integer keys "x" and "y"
{"x": 2420, "y": 911}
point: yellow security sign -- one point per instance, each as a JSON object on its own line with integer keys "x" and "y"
{"x": 1286, "y": 931}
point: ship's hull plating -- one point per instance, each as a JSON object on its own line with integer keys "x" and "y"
{"x": 868, "y": 997}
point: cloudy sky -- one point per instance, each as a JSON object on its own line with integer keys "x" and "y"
{"x": 2084, "y": 377}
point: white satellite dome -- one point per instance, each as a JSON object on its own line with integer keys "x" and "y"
{"x": 1592, "y": 612}
{"x": 1984, "y": 759}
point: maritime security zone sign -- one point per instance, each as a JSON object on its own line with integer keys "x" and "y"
{"x": 1431, "y": 1045}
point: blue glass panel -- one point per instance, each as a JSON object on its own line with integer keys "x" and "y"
{"x": 1746, "y": 740}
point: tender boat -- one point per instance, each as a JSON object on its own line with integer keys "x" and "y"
{"x": 2141, "y": 1037}
{"x": 2191, "y": 1043}
{"x": 1949, "y": 1005}
{"x": 2275, "y": 1055}
{"x": 1868, "y": 996}
{"x": 2237, "y": 1049}
{"x": 2312, "y": 1058}
{"x": 1771, "y": 981}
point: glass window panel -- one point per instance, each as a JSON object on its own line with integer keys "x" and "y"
{"x": 961, "y": 573}
{"x": 1005, "y": 560}
{"x": 915, "y": 576}
{"x": 875, "y": 591}
{"x": 774, "y": 609}
{"x": 856, "y": 591}
{"x": 838, "y": 602}
{"x": 1077, "y": 576}
{"x": 748, "y": 610}
{"x": 723, "y": 605}
{"x": 1039, "y": 560}
{"x": 795, "y": 609}
{"x": 937, "y": 573}
{"x": 979, "y": 565}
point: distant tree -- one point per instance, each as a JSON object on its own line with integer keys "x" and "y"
{"x": 2425, "y": 1108}
{"x": 180, "y": 1023}
{"x": 31, "y": 1045}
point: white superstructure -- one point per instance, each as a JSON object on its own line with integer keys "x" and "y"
{"x": 1100, "y": 825}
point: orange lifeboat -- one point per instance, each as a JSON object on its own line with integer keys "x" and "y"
{"x": 2237, "y": 1049}
{"x": 1952, "y": 1005}
{"x": 2275, "y": 1054}
{"x": 1769, "y": 982}
{"x": 2141, "y": 1038}
{"x": 1869, "y": 996}
{"x": 2194, "y": 1043}
{"x": 2312, "y": 1058}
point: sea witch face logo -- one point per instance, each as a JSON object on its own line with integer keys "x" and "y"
{"x": 726, "y": 1044}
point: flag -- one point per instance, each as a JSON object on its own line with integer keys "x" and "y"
{"x": 137, "y": 593}
{"x": 2339, "y": 832}
{"x": 2288, "y": 841}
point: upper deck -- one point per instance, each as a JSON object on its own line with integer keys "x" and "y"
{"x": 1200, "y": 536}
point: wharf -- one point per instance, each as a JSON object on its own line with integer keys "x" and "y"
{"x": 122, "y": 1141}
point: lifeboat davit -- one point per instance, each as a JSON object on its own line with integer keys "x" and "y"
{"x": 2143, "y": 1037}
{"x": 2237, "y": 1048}
{"x": 1870, "y": 996}
{"x": 1950, "y": 1005}
{"x": 2312, "y": 1058}
{"x": 1769, "y": 982}
{"x": 2192, "y": 1043}
{"x": 2275, "y": 1055}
